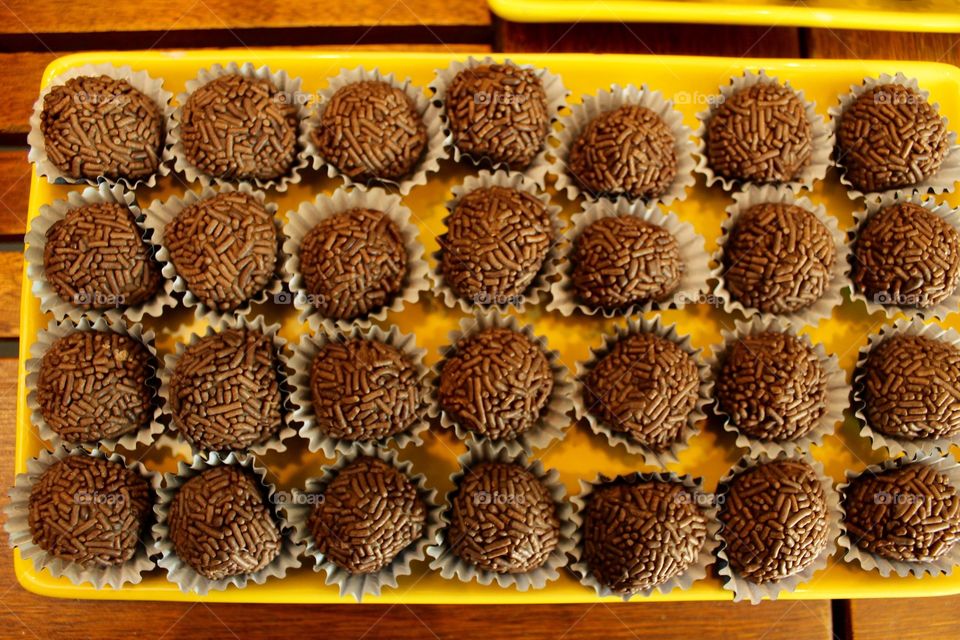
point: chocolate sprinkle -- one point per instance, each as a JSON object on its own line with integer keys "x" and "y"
{"x": 772, "y": 386}
{"x": 98, "y": 127}
{"x": 907, "y": 256}
{"x": 89, "y": 511}
{"x": 498, "y": 112}
{"x": 353, "y": 263}
{"x": 96, "y": 258}
{"x": 645, "y": 387}
{"x": 221, "y": 525}
{"x": 364, "y": 390}
{"x": 497, "y": 239}
{"x": 371, "y": 131}
{"x": 370, "y": 512}
{"x": 890, "y": 137}
{"x": 775, "y": 520}
{"x": 93, "y": 385}
{"x": 503, "y": 519}
{"x": 225, "y": 391}
{"x": 237, "y": 128}
{"x": 760, "y": 134}
{"x": 778, "y": 258}
{"x": 911, "y": 388}
{"x": 628, "y": 151}
{"x": 619, "y": 261}
{"x": 225, "y": 247}
{"x": 911, "y": 514}
{"x": 639, "y": 536}
{"x": 496, "y": 384}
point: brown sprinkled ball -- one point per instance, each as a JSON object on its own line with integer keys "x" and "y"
{"x": 369, "y": 514}
{"x": 778, "y": 258}
{"x": 371, "y": 131}
{"x": 619, "y": 261}
{"x": 364, "y": 390}
{"x": 628, "y": 151}
{"x": 353, "y": 263}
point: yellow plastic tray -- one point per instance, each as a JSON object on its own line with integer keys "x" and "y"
{"x": 941, "y": 16}
{"x": 690, "y": 82}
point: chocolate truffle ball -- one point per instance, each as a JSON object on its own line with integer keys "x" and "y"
{"x": 371, "y": 131}
{"x": 911, "y": 514}
{"x": 907, "y": 256}
{"x": 628, "y": 151}
{"x": 619, "y": 261}
{"x": 645, "y": 387}
{"x": 353, "y": 263}
{"x": 890, "y": 137}
{"x": 496, "y": 242}
{"x": 503, "y": 519}
{"x": 496, "y": 384}
{"x": 370, "y": 513}
{"x": 364, "y": 390}
{"x": 911, "y": 388}
{"x": 778, "y": 258}
{"x": 97, "y": 127}
{"x": 639, "y": 536}
{"x": 225, "y": 247}
{"x": 498, "y": 112}
{"x": 225, "y": 391}
{"x": 760, "y": 134}
{"x": 93, "y": 385}
{"x": 221, "y": 524}
{"x": 96, "y": 258}
{"x": 238, "y": 128}
{"x": 775, "y": 520}
{"x": 772, "y": 386}
{"x": 89, "y": 511}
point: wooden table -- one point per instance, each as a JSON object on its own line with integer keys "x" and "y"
{"x": 34, "y": 32}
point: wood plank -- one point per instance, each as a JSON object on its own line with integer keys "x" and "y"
{"x": 913, "y": 619}
{"x": 933, "y": 47}
{"x": 14, "y": 193}
{"x": 11, "y": 276}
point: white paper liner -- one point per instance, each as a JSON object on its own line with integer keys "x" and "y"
{"x": 553, "y": 421}
{"x": 46, "y": 339}
{"x": 832, "y": 296}
{"x": 288, "y": 87}
{"x": 693, "y": 256}
{"x": 944, "y": 565}
{"x": 218, "y": 324}
{"x": 450, "y": 565}
{"x": 17, "y": 525}
{"x": 299, "y": 509}
{"x": 540, "y": 284}
{"x": 310, "y": 213}
{"x": 161, "y": 213}
{"x": 595, "y": 105}
{"x": 433, "y": 153}
{"x": 746, "y": 590}
{"x": 36, "y": 241}
{"x": 696, "y": 571}
{"x": 615, "y": 438}
{"x": 182, "y": 574}
{"x": 950, "y": 215}
{"x": 942, "y": 181}
{"x": 302, "y": 396}
{"x": 139, "y": 80}
{"x": 834, "y": 402}
{"x": 898, "y": 446}
{"x": 821, "y": 137}
{"x": 556, "y": 95}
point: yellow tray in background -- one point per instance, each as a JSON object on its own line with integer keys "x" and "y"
{"x": 690, "y": 82}
{"x": 941, "y": 16}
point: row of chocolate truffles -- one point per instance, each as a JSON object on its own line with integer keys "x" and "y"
{"x": 219, "y": 522}
{"x": 354, "y": 256}
{"x": 645, "y": 388}
{"x": 241, "y": 124}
